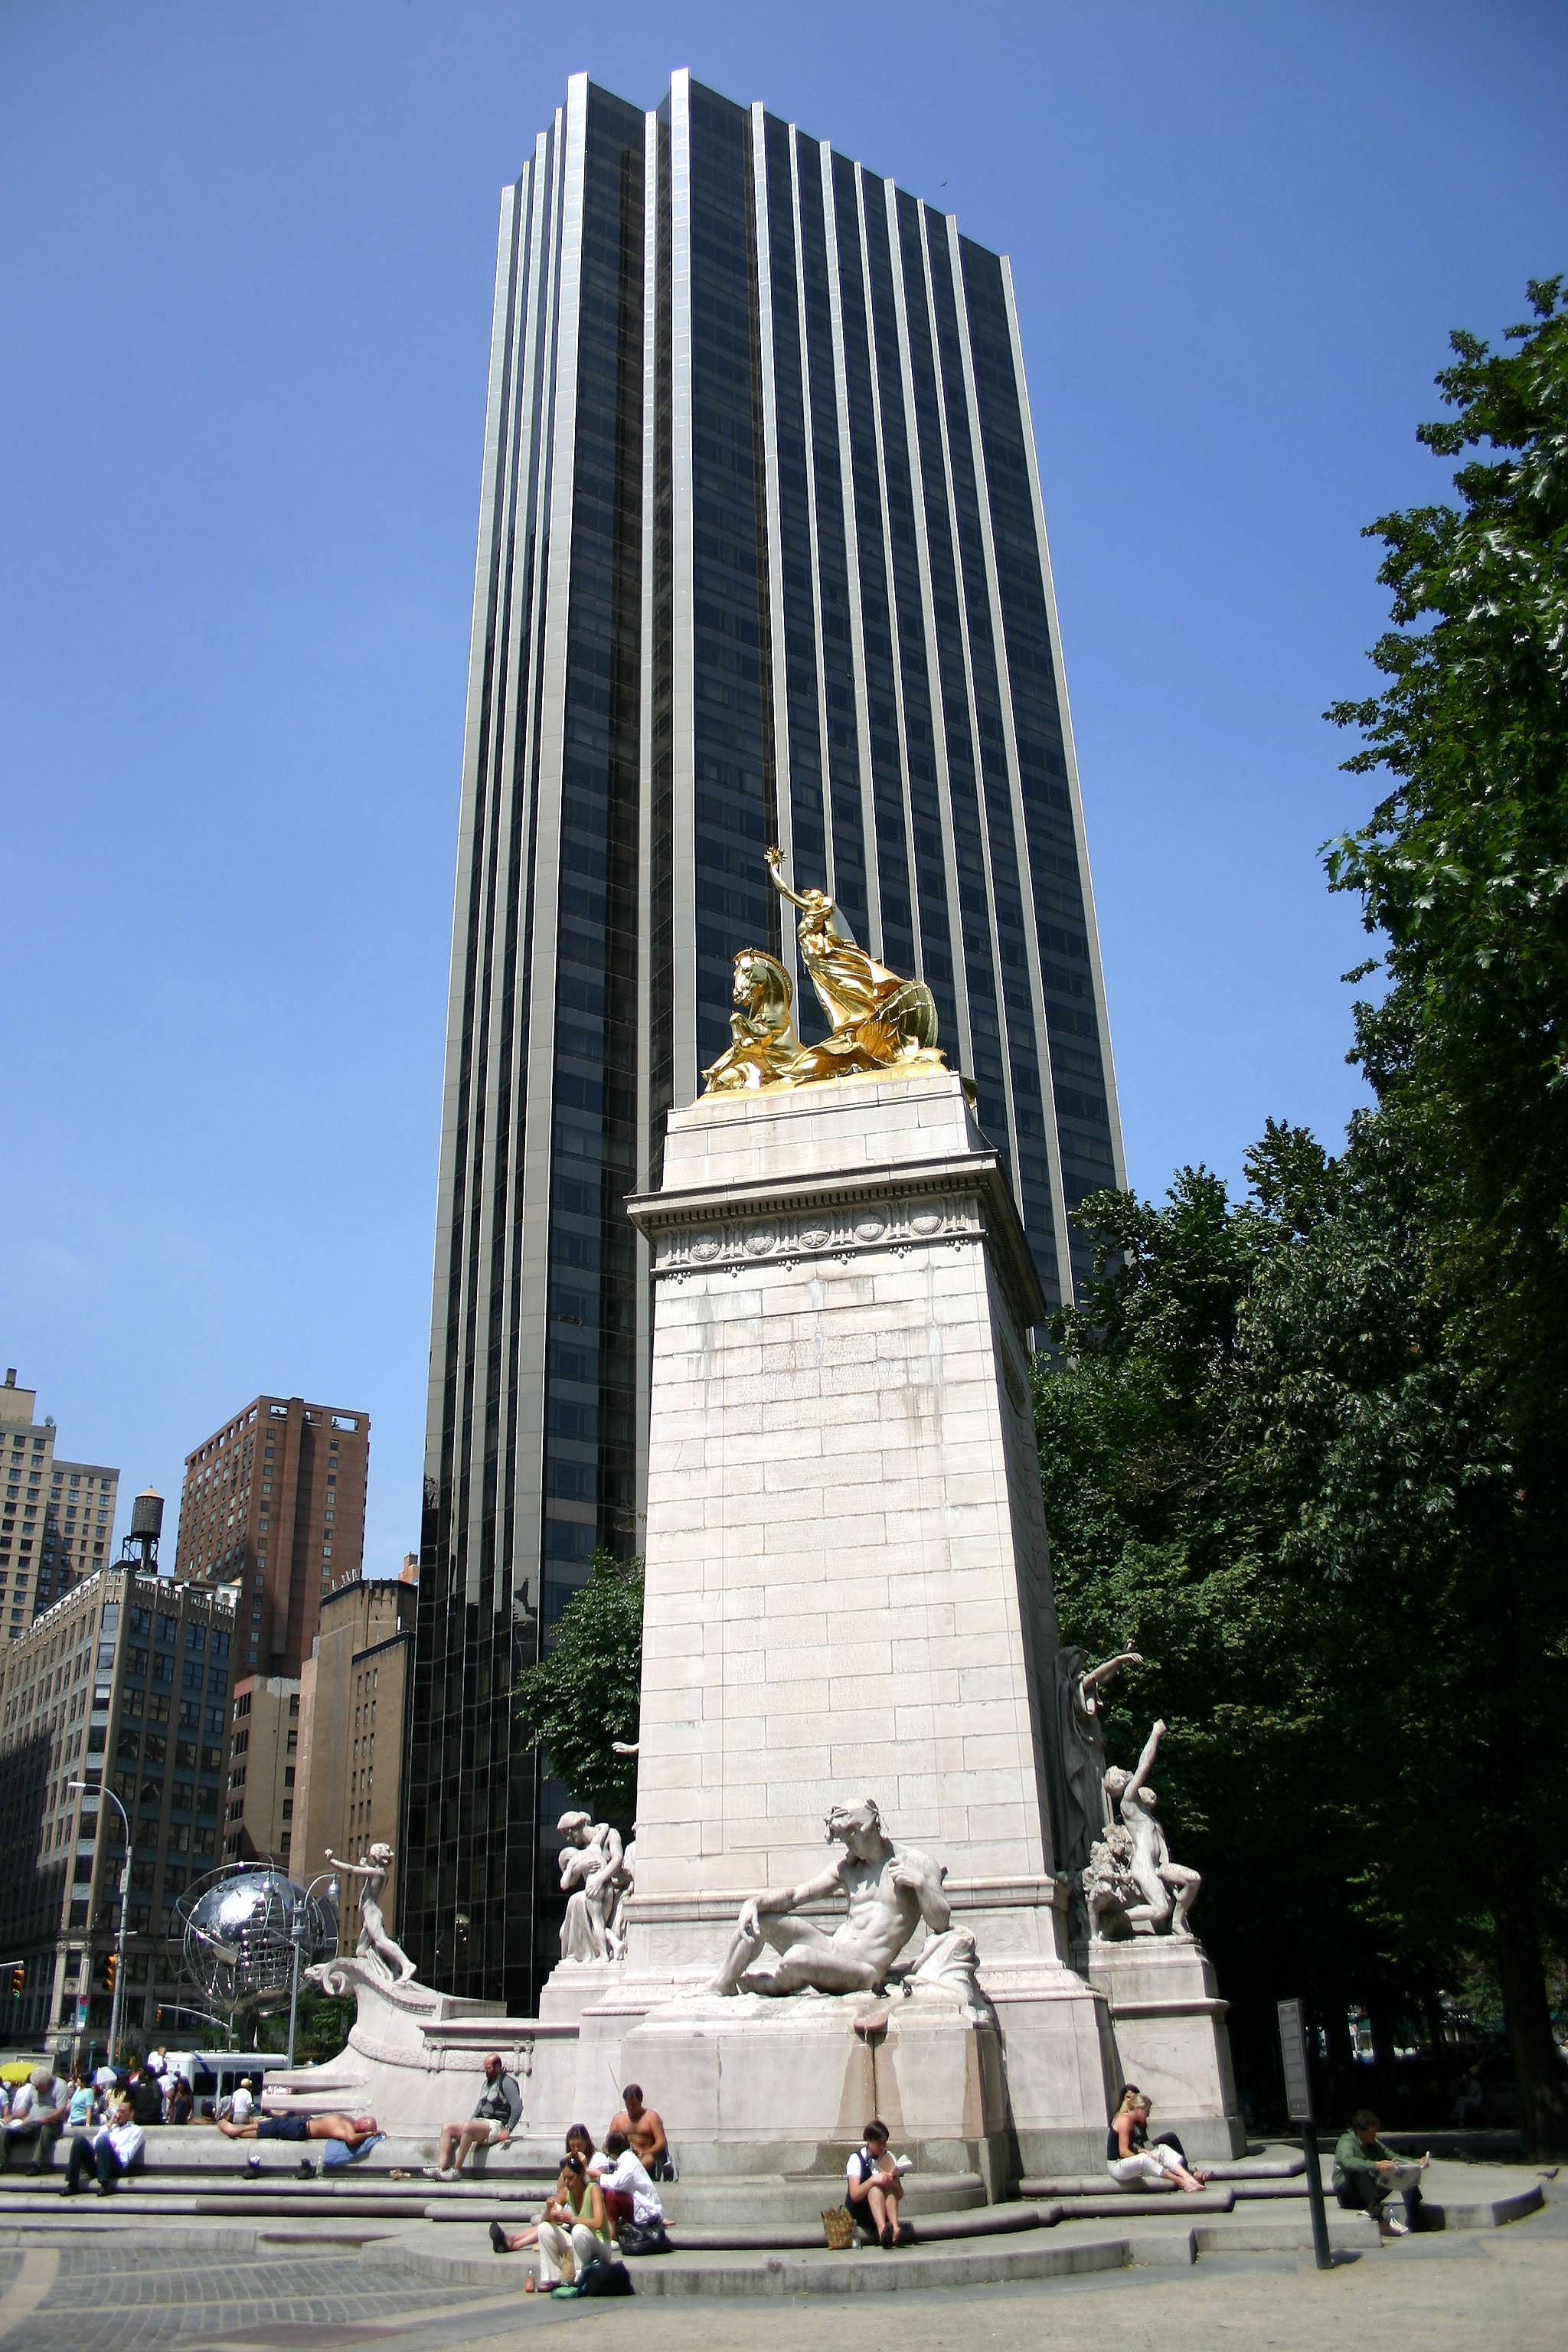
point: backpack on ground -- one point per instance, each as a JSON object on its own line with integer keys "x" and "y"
{"x": 645, "y": 2238}
{"x": 599, "y": 2276}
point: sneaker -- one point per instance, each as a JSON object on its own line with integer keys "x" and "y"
{"x": 307, "y": 2170}
{"x": 253, "y": 2166}
{"x": 1396, "y": 2225}
{"x": 432, "y": 2172}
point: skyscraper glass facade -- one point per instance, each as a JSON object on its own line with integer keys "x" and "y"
{"x": 762, "y": 558}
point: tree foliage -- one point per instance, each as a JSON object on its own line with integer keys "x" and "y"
{"x": 583, "y": 1693}
{"x": 1462, "y": 868}
{"x": 1310, "y": 1450}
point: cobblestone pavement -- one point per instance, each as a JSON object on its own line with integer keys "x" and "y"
{"x": 1508, "y": 2287}
{"x": 103, "y": 2298}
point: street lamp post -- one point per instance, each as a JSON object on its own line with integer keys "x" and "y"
{"x": 297, "y": 1938}
{"x": 89, "y": 1790}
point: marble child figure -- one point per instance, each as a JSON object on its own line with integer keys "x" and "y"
{"x": 889, "y": 1891}
{"x": 375, "y": 1945}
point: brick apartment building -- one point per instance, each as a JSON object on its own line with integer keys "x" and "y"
{"x": 274, "y": 1500}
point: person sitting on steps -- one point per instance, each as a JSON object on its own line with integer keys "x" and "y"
{"x": 580, "y": 2144}
{"x": 630, "y": 2198}
{"x": 115, "y": 2148}
{"x": 38, "y": 2111}
{"x": 1366, "y": 2175}
{"x": 645, "y": 2129}
{"x": 491, "y": 2124}
{"x": 1129, "y": 2159}
{"x": 575, "y": 2228}
{"x": 874, "y": 2187}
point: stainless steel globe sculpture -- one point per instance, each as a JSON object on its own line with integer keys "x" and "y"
{"x": 236, "y": 1931}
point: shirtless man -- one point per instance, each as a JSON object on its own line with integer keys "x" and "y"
{"x": 353, "y": 2130}
{"x": 888, "y": 1892}
{"x": 645, "y": 2129}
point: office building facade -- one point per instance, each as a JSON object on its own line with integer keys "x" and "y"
{"x": 123, "y": 1684}
{"x": 352, "y": 1699}
{"x": 263, "y": 1764}
{"x": 57, "y": 1517}
{"x": 274, "y": 1500}
{"x": 762, "y": 559}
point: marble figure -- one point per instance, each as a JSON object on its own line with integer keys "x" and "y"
{"x": 375, "y": 1945}
{"x": 1167, "y": 1889}
{"x": 596, "y": 1877}
{"x": 1080, "y": 1707}
{"x": 889, "y": 1891}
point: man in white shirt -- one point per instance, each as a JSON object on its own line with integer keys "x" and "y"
{"x": 242, "y": 2106}
{"x": 629, "y": 2193}
{"x": 36, "y": 2118}
{"x": 115, "y": 2148}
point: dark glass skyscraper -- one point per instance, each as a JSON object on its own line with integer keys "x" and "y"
{"x": 762, "y": 558}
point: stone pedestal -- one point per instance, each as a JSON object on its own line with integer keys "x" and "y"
{"x": 788, "y": 2085}
{"x": 848, "y": 1596}
{"x": 1171, "y": 2037}
{"x": 847, "y": 1577}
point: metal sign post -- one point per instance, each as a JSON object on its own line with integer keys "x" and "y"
{"x": 1299, "y": 2106}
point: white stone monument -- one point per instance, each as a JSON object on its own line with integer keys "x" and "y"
{"x": 847, "y": 1595}
{"x": 861, "y": 1839}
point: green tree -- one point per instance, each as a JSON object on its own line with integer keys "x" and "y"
{"x": 1462, "y": 868}
{"x": 583, "y": 1693}
{"x": 1462, "y": 872}
{"x": 1270, "y": 1465}
{"x": 1169, "y": 1524}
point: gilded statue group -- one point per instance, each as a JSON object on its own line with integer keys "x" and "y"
{"x": 877, "y": 1021}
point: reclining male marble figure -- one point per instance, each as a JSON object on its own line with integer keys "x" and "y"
{"x": 890, "y": 1891}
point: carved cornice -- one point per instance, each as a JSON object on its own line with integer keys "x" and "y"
{"x": 956, "y": 1200}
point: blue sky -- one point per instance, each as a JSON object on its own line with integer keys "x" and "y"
{"x": 247, "y": 275}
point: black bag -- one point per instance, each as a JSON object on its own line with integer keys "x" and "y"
{"x": 645, "y": 2238}
{"x": 598, "y": 2276}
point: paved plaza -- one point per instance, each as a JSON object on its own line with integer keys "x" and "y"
{"x": 109, "y": 2293}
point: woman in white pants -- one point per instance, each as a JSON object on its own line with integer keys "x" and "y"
{"x": 573, "y": 2228}
{"x": 1129, "y": 2159}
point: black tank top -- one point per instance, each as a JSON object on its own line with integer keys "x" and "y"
{"x": 1140, "y": 2138}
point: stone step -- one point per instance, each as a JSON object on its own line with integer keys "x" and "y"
{"x": 1271, "y": 2180}
{"x": 1030, "y": 2253}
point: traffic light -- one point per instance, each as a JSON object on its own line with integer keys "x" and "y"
{"x": 18, "y": 1979}
{"x": 110, "y": 1967}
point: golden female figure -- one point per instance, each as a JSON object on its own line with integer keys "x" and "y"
{"x": 877, "y": 1019}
